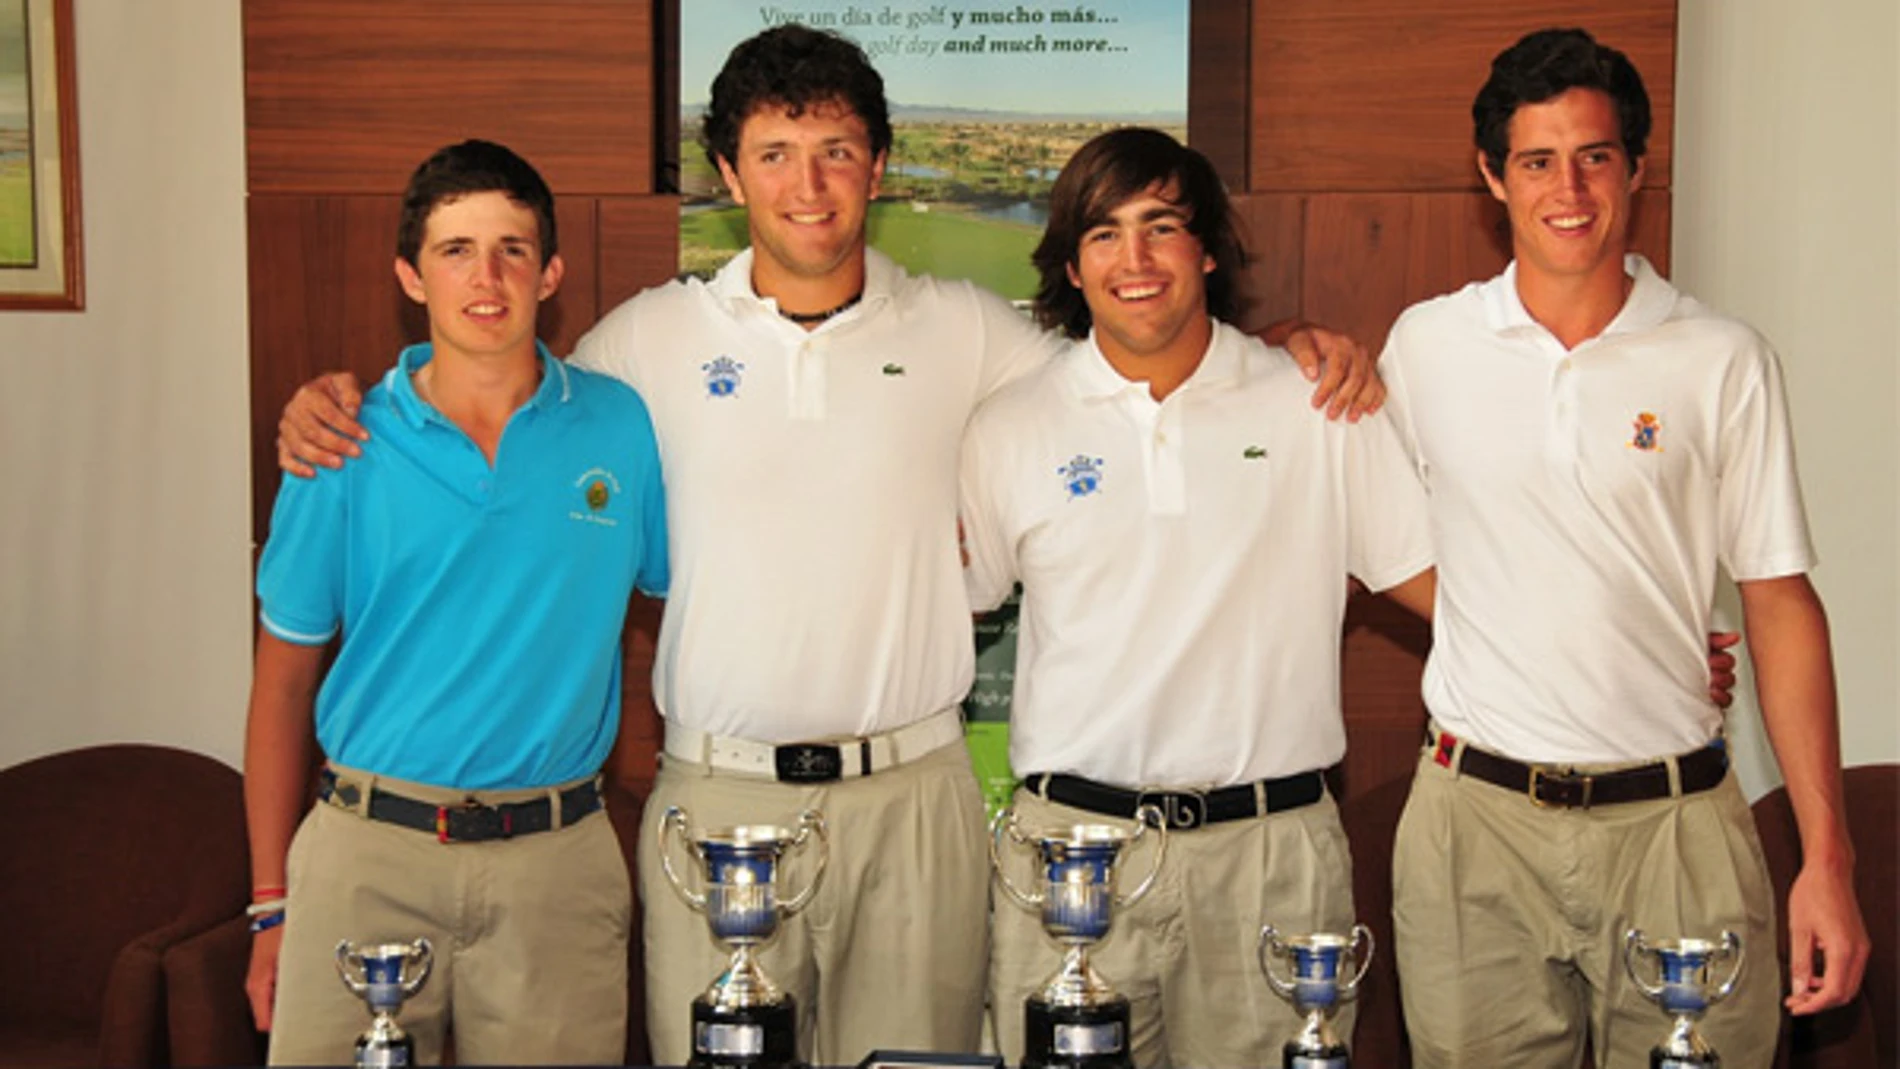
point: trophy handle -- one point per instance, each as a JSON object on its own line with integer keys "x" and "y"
{"x": 420, "y": 950}
{"x": 1634, "y": 945}
{"x": 808, "y": 822}
{"x": 1146, "y": 817}
{"x": 1731, "y": 948}
{"x": 1268, "y": 949}
{"x": 1361, "y": 938}
{"x": 673, "y": 822}
{"x": 1004, "y": 823}
{"x": 348, "y": 963}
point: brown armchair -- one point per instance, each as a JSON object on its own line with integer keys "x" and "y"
{"x": 112, "y": 855}
{"x": 1865, "y": 1032}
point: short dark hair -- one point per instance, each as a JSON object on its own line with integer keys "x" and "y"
{"x": 454, "y": 172}
{"x": 1545, "y": 65}
{"x": 1103, "y": 175}
{"x": 797, "y": 68}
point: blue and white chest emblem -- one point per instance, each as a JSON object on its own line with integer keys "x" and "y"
{"x": 1081, "y": 476}
{"x": 722, "y": 376}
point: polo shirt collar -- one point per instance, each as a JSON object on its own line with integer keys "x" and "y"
{"x": 1650, "y": 301}
{"x": 1095, "y": 379}
{"x": 555, "y": 388}
{"x": 733, "y": 283}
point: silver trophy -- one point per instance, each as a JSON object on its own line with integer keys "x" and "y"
{"x": 384, "y": 975}
{"x": 1077, "y": 1019}
{"x": 743, "y": 1019}
{"x": 1317, "y": 987}
{"x": 1685, "y": 987}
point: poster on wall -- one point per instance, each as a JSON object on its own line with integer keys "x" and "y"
{"x": 39, "y": 158}
{"x": 988, "y": 100}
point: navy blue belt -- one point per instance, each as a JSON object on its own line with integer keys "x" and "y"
{"x": 463, "y": 822}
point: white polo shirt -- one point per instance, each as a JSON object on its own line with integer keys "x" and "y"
{"x": 1183, "y": 562}
{"x": 811, "y": 494}
{"x": 1580, "y": 502}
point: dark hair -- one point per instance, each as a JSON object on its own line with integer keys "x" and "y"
{"x": 1103, "y": 175}
{"x": 796, "y": 68}
{"x": 1545, "y": 65}
{"x": 473, "y": 167}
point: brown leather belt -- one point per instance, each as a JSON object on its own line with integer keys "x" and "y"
{"x": 1560, "y": 787}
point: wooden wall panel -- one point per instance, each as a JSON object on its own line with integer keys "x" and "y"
{"x": 1273, "y": 227}
{"x": 639, "y": 245}
{"x": 345, "y": 96}
{"x": 1218, "y": 96}
{"x": 324, "y": 297}
{"x": 1376, "y": 94}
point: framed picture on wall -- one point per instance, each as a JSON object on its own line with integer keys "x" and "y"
{"x": 40, "y": 248}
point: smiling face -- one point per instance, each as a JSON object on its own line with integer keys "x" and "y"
{"x": 1567, "y": 185}
{"x": 1143, "y": 275}
{"x": 480, "y": 274}
{"x": 806, "y": 183}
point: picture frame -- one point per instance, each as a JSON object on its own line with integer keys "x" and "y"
{"x": 41, "y": 252}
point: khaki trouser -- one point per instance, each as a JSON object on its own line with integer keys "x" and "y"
{"x": 890, "y": 951}
{"x": 530, "y": 937}
{"x": 1185, "y": 954}
{"x": 1510, "y": 921}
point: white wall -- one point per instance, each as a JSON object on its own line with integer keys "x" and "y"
{"x": 124, "y": 457}
{"x": 1787, "y": 213}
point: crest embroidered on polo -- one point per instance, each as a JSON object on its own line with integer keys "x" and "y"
{"x": 1648, "y": 437}
{"x": 1081, "y": 476}
{"x": 597, "y": 487}
{"x": 723, "y": 376}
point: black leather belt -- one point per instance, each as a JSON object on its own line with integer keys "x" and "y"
{"x": 464, "y": 822}
{"x": 1182, "y": 810}
{"x": 1566, "y": 788}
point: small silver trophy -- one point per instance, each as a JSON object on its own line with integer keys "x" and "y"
{"x": 1316, "y": 989}
{"x": 743, "y": 1019}
{"x": 1077, "y": 1019}
{"x": 1685, "y": 987}
{"x": 384, "y": 975}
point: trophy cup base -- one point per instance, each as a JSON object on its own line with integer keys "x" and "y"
{"x": 1333, "y": 1057}
{"x": 1660, "y": 1060}
{"x": 397, "y": 1053}
{"x": 1076, "y": 1037}
{"x": 746, "y": 1037}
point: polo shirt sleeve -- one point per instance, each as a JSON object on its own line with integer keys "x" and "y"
{"x": 655, "y": 572}
{"x": 990, "y": 574}
{"x": 300, "y": 575}
{"x": 1764, "y": 524}
{"x": 1013, "y": 345}
{"x": 610, "y": 346}
{"x": 1390, "y": 522}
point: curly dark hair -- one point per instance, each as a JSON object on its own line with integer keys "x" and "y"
{"x": 1103, "y": 175}
{"x": 796, "y": 68}
{"x": 472, "y": 166}
{"x": 1545, "y": 65}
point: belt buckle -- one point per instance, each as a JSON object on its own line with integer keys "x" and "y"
{"x": 808, "y": 762}
{"x": 1541, "y": 775}
{"x": 1180, "y": 810}
{"x": 478, "y": 822}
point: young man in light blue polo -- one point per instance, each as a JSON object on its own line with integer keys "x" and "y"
{"x": 477, "y": 568}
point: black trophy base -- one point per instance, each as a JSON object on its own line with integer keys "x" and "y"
{"x": 1333, "y": 1057}
{"x": 756, "y": 1037}
{"x": 396, "y": 1053}
{"x": 1076, "y": 1037}
{"x": 1659, "y": 1060}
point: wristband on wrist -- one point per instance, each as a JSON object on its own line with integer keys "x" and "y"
{"x": 267, "y": 921}
{"x": 266, "y": 893}
{"x": 264, "y": 909}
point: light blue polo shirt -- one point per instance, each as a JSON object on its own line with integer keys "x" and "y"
{"x": 480, "y": 608}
